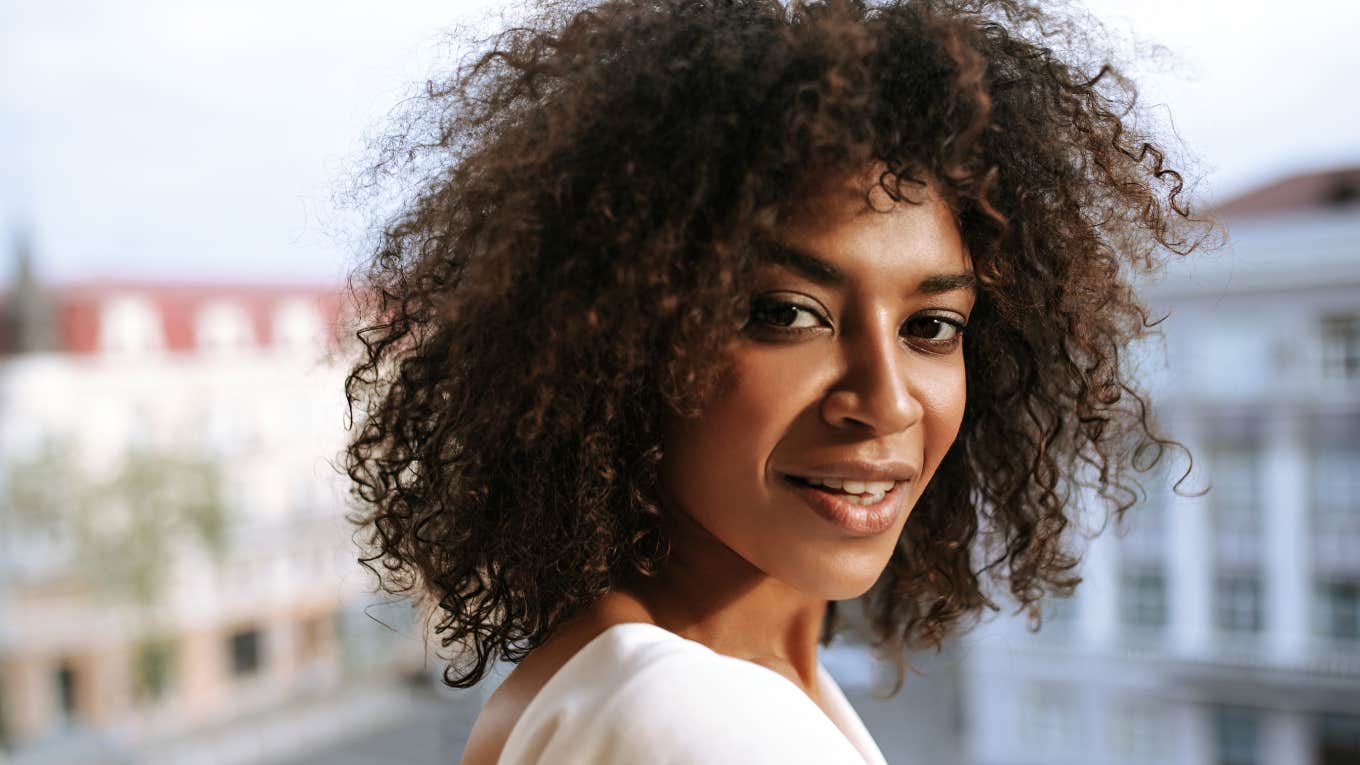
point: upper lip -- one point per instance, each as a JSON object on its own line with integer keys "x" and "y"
{"x": 858, "y": 470}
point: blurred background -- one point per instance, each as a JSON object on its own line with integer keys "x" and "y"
{"x": 178, "y": 584}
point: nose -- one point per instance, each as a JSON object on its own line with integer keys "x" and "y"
{"x": 874, "y": 394}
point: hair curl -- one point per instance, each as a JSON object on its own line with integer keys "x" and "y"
{"x": 577, "y": 243}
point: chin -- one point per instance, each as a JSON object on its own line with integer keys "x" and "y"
{"x": 840, "y": 575}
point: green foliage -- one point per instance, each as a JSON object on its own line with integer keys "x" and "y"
{"x": 123, "y": 526}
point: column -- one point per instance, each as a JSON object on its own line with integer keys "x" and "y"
{"x": 1194, "y": 733}
{"x": 1098, "y": 599}
{"x": 1286, "y": 564}
{"x": 1190, "y": 555}
{"x": 1286, "y": 738}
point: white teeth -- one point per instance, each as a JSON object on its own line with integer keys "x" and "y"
{"x": 872, "y": 491}
{"x": 864, "y": 499}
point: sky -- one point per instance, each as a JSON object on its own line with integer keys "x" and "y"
{"x": 165, "y": 140}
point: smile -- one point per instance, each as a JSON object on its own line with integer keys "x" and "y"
{"x": 859, "y": 508}
{"x": 858, "y": 492}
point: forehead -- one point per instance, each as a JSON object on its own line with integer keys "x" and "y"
{"x": 832, "y": 197}
{"x": 854, "y": 230}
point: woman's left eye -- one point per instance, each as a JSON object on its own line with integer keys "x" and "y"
{"x": 935, "y": 330}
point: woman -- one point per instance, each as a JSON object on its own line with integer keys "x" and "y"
{"x": 668, "y": 354}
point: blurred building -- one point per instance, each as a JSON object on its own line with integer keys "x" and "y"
{"x": 173, "y": 554}
{"x": 1221, "y": 629}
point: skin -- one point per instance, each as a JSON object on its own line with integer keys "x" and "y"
{"x": 864, "y": 367}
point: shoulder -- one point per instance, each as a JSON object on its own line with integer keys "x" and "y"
{"x": 641, "y": 694}
{"x": 488, "y": 735}
{"x": 574, "y": 642}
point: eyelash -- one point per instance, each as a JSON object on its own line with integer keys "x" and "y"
{"x": 761, "y": 310}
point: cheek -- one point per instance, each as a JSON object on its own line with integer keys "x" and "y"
{"x": 716, "y": 467}
{"x": 763, "y": 392}
{"x": 943, "y": 398}
{"x": 724, "y": 450}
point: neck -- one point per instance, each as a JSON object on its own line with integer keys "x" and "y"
{"x": 708, "y": 593}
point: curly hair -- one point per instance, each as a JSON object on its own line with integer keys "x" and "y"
{"x": 577, "y": 243}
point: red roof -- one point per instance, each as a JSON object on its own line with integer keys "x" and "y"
{"x": 1328, "y": 189}
{"x": 77, "y": 308}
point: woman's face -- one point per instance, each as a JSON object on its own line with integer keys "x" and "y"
{"x": 844, "y": 392}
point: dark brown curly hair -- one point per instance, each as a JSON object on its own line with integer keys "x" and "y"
{"x": 588, "y": 189}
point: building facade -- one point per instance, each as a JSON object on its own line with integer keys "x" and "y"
{"x": 173, "y": 550}
{"x": 1223, "y": 626}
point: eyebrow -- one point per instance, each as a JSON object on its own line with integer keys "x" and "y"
{"x": 934, "y": 285}
{"x": 806, "y": 264}
{"x": 822, "y": 272}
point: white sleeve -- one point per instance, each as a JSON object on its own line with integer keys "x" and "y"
{"x": 682, "y": 711}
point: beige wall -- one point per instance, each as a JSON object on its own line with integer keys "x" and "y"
{"x": 29, "y": 696}
{"x": 298, "y": 645}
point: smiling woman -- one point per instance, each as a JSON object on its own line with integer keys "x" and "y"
{"x": 707, "y": 315}
{"x": 845, "y": 389}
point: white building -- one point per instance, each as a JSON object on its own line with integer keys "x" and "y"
{"x": 1222, "y": 629}
{"x": 113, "y": 397}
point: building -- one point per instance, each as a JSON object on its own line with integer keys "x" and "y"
{"x": 1221, "y": 629}
{"x": 173, "y": 551}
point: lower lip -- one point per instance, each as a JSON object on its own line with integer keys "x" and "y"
{"x": 857, "y": 520}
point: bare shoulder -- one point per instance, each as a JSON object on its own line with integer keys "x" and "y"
{"x": 489, "y": 733}
{"x": 506, "y": 706}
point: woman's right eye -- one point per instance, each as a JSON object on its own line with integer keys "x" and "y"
{"x": 784, "y": 315}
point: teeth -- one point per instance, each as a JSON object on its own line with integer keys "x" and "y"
{"x": 872, "y": 490}
{"x": 864, "y": 499}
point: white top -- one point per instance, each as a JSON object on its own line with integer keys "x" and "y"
{"x": 638, "y": 693}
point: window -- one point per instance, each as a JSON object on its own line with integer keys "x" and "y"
{"x": 1142, "y": 597}
{"x": 245, "y": 652}
{"x": 1341, "y": 347}
{"x": 1142, "y": 731}
{"x": 1336, "y": 507}
{"x": 1237, "y": 603}
{"x": 1145, "y": 523}
{"x": 66, "y": 682}
{"x": 1338, "y": 740}
{"x": 1338, "y": 610}
{"x": 298, "y": 329}
{"x": 223, "y": 325}
{"x": 1234, "y": 496}
{"x": 130, "y": 324}
{"x": 153, "y": 670}
{"x": 1237, "y": 733}
{"x": 1048, "y": 720}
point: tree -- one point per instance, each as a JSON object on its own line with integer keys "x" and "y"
{"x": 121, "y": 529}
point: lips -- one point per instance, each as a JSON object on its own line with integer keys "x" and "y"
{"x": 862, "y": 499}
{"x": 856, "y": 470}
{"x": 859, "y": 492}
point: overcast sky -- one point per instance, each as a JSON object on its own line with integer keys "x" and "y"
{"x": 171, "y": 140}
